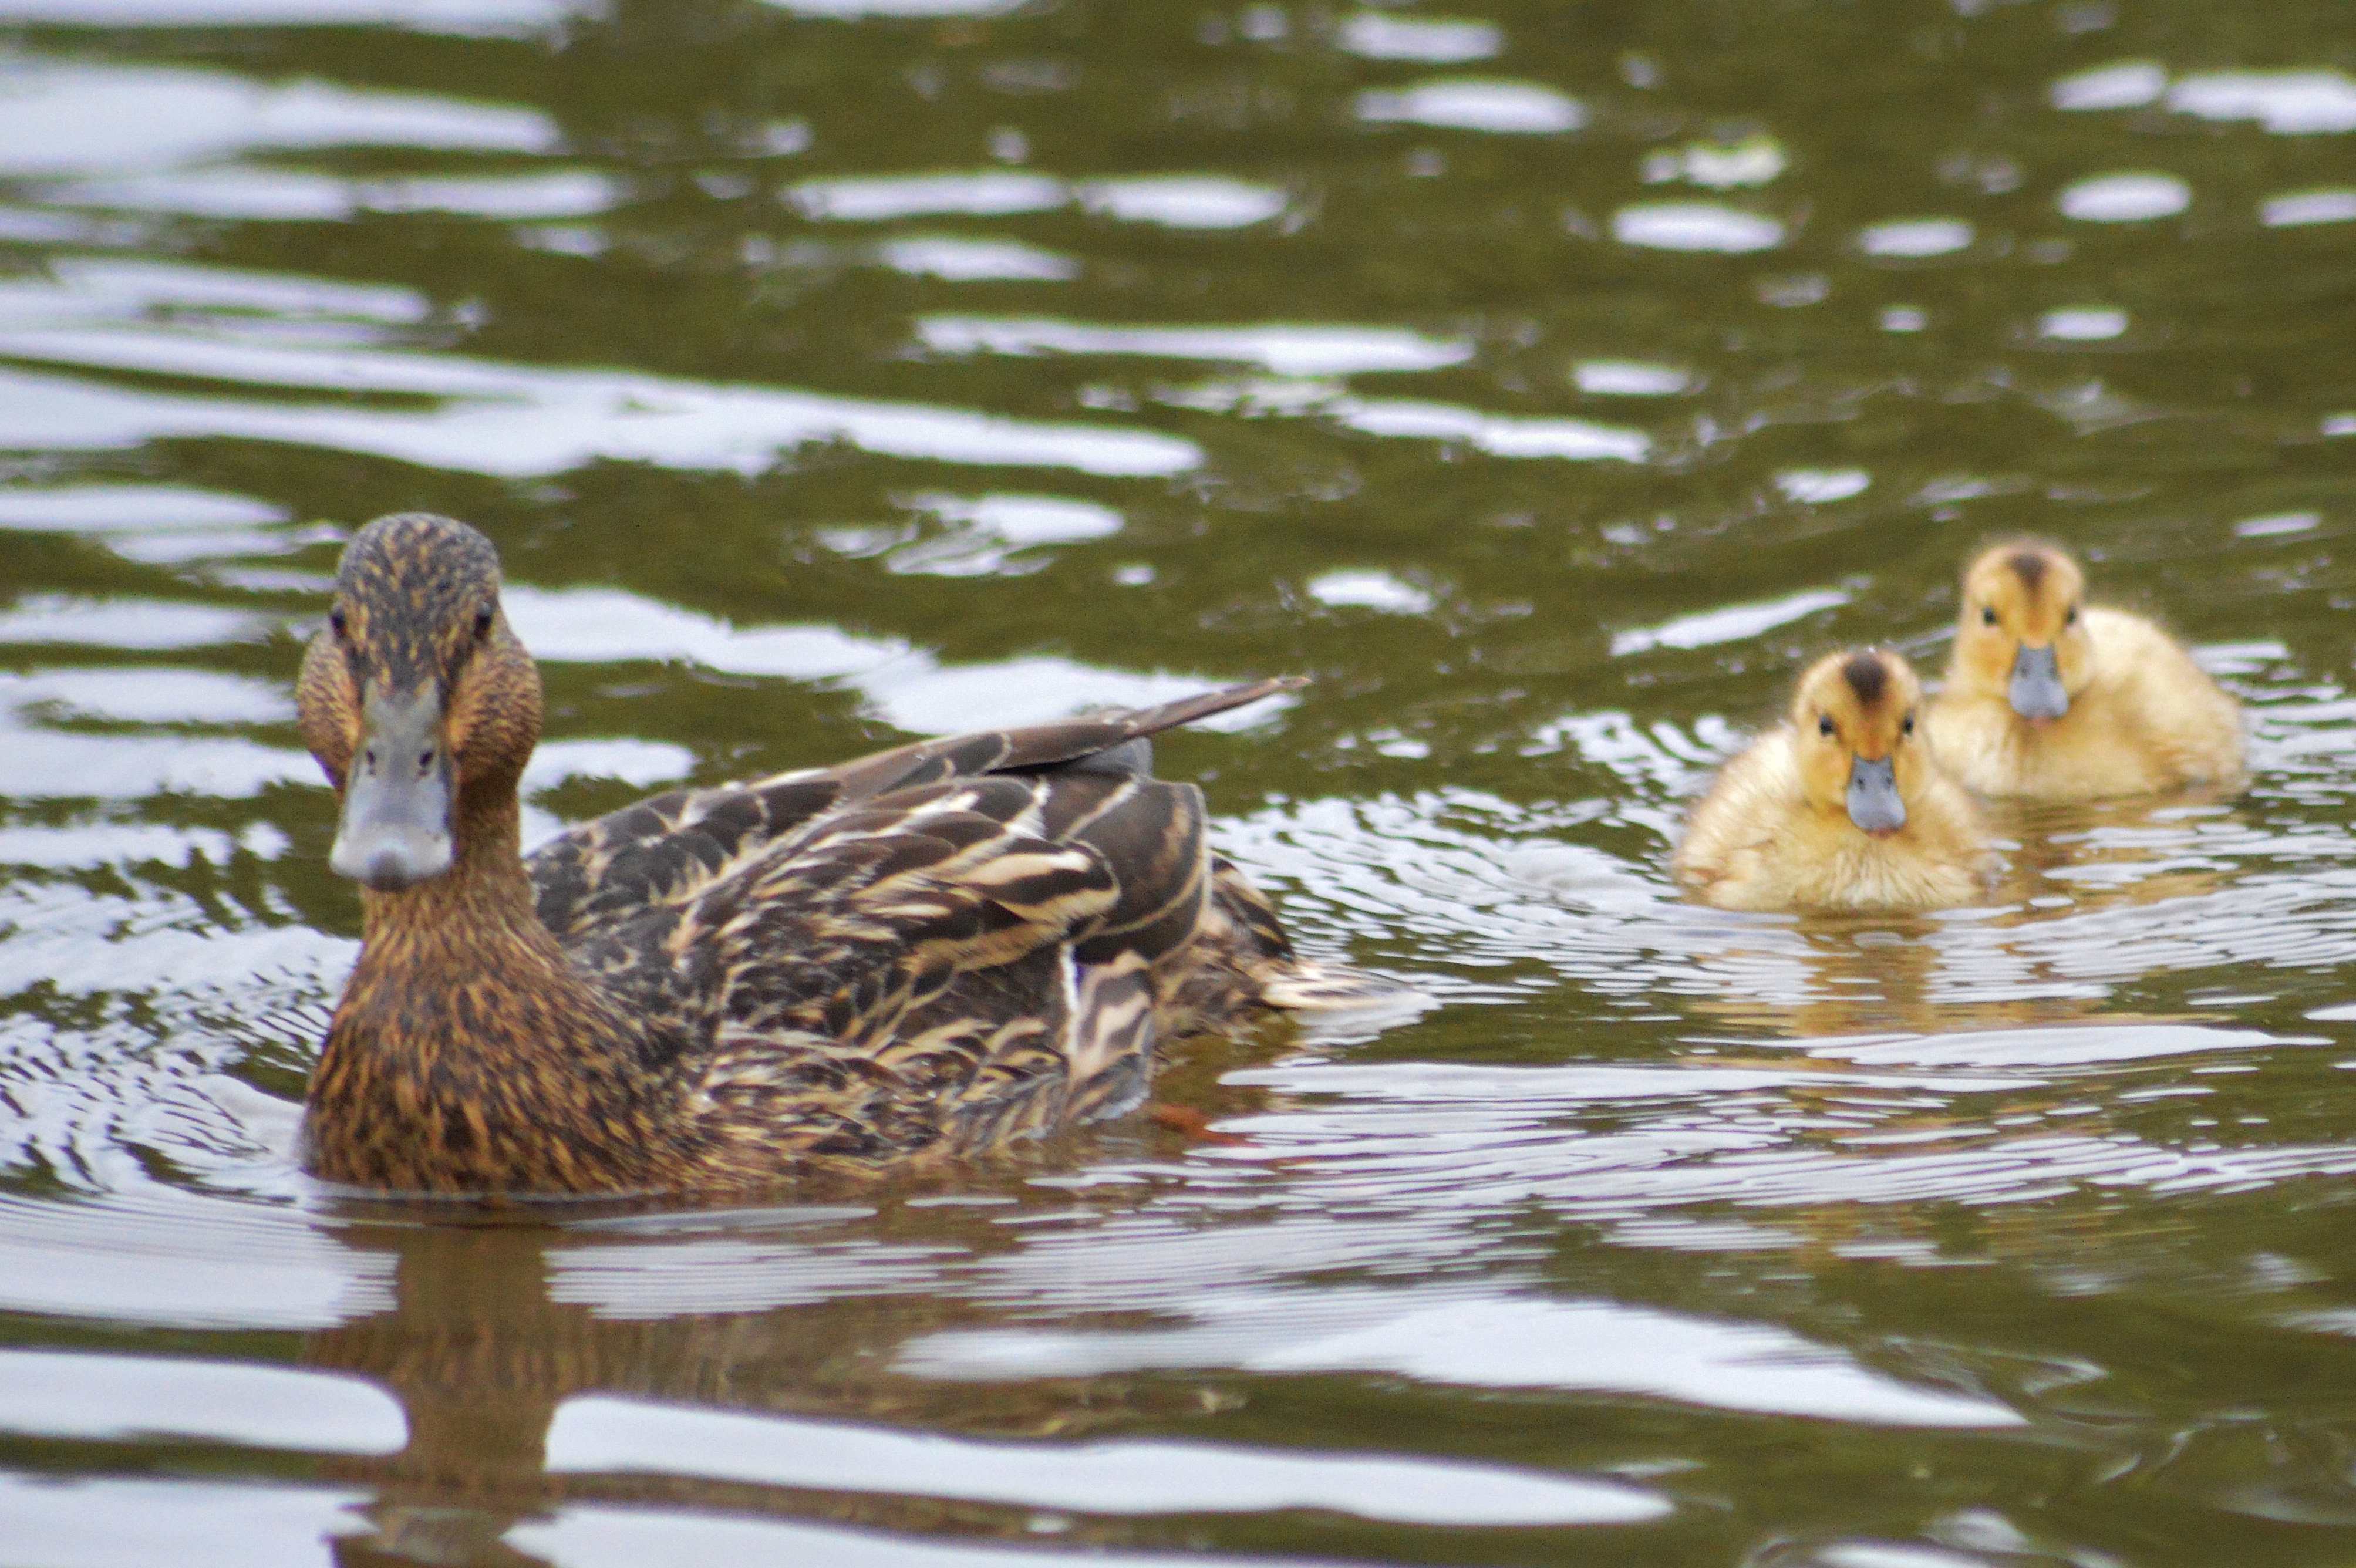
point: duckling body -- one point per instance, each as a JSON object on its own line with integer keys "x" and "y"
{"x": 2048, "y": 697}
{"x": 933, "y": 949}
{"x": 1839, "y": 807}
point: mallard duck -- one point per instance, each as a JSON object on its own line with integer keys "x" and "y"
{"x": 1840, "y": 807}
{"x": 2052, "y": 699}
{"x": 933, "y": 949}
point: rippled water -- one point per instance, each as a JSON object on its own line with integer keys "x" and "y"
{"x": 1550, "y": 381}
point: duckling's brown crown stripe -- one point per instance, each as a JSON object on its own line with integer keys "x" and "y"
{"x": 1867, "y": 675}
{"x": 411, "y": 588}
{"x": 2030, "y": 565}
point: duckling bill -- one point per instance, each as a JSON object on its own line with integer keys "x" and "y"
{"x": 2049, "y": 698}
{"x": 930, "y": 951}
{"x": 1840, "y": 807}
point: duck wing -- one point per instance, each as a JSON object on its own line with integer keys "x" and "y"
{"x": 951, "y": 964}
{"x": 670, "y": 846}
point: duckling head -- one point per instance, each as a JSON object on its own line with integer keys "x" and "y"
{"x": 2021, "y": 633}
{"x": 416, "y": 698}
{"x": 1853, "y": 714}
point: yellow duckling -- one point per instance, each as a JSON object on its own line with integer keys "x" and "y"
{"x": 2052, "y": 699}
{"x": 1841, "y": 808}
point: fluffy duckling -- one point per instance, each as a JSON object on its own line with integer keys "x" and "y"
{"x": 1841, "y": 808}
{"x": 2049, "y": 697}
{"x": 936, "y": 949}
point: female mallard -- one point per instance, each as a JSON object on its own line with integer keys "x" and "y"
{"x": 2053, "y": 699}
{"x": 1838, "y": 808}
{"x": 937, "y": 948}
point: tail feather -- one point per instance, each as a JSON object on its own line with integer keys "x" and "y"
{"x": 1201, "y": 704}
{"x": 1302, "y": 984}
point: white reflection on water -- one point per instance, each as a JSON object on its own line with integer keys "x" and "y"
{"x": 2286, "y": 103}
{"x": 1629, "y": 378}
{"x": 485, "y": 417}
{"x": 1373, "y": 589}
{"x": 187, "y": 1523}
{"x": 1285, "y": 348}
{"x": 69, "y": 118}
{"x": 903, "y": 684}
{"x": 1696, "y": 226}
{"x": 56, "y": 1393}
{"x": 1718, "y": 166}
{"x": 1502, "y": 435}
{"x": 984, "y": 194}
{"x": 1435, "y": 41}
{"x": 1508, "y": 108}
{"x": 598, "y": 1536}
{"x": 144, "y": 623}
{"x": 150, "y": 696}
{"x": 176, "y": 1260}
{"x": 604, "y": 1435}
{"x": 2298, "y": 208}
{"x": 462, "y": 17}
{"x": 963, "y": 259}
{"x": 268, "y": 194}
{"x": 2129, "y": 84}
{"x": 1821, "y": 487}
{"x": 1498, "y": 1342}
{"x": 2125, "y": 197}
{"x": 1916, "y": 237}
{"x": 1732, "y": 624}
{"x": 851, "y": 10}
{"x": 1184, "y": 201}
{"x": 982, "y": 535}
{"x": 2083, "y": 323}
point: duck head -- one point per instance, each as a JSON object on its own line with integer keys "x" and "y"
{"x": 1854, "y": 713}
{"x": 417, "y": 700}
{"x": 2022, "y": 631}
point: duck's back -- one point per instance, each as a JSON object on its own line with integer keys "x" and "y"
{"x": 947, "y": 944}
{"x": 2172, "y": 711}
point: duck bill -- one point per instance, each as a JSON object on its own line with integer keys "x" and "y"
{"x": 1873, "y": 803}
{"x": 2036, "y": 689}
{"x": 394, "y": 831}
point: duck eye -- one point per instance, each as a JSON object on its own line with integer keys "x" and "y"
{"x": 335, "y": 622}
{"x": 1988, "y": 614}
{"x": 1824, "y": 724}
{"x": 483, "y": 618}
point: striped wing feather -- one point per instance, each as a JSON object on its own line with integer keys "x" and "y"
{"x": 948, "y": 944}
{"x": 669, "y": 848}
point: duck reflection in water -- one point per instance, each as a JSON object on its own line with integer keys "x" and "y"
{"x": 2049, "y": 698}
{"x": 1840, "y": 807}
{"x": 931, "y": 950}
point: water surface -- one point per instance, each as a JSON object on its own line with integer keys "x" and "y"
{"x": 1550, "y": 381}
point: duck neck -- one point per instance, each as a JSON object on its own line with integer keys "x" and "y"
{"x": 470, "y": 1053}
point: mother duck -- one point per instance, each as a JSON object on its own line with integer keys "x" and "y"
{"x": 932, "y": 950}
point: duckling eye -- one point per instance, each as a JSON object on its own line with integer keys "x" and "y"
{"x": 1908, "y": 727}
{"x": 2071, "y": 618}
{"x": 1988, "y": 614}
{"x": 1824, "y": 724}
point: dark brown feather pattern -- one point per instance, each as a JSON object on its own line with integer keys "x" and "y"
{"x": 930, "y": 950}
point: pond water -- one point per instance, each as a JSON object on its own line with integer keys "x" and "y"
{"x": 1550, "y": 381}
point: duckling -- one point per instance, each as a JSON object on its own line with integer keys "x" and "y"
{"x": 2049, "y": 697}
{"x": 1840, "y": 807}
{"x": 930, "y": 951}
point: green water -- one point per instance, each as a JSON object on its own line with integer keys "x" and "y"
{"x": 1551, "y": 382}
